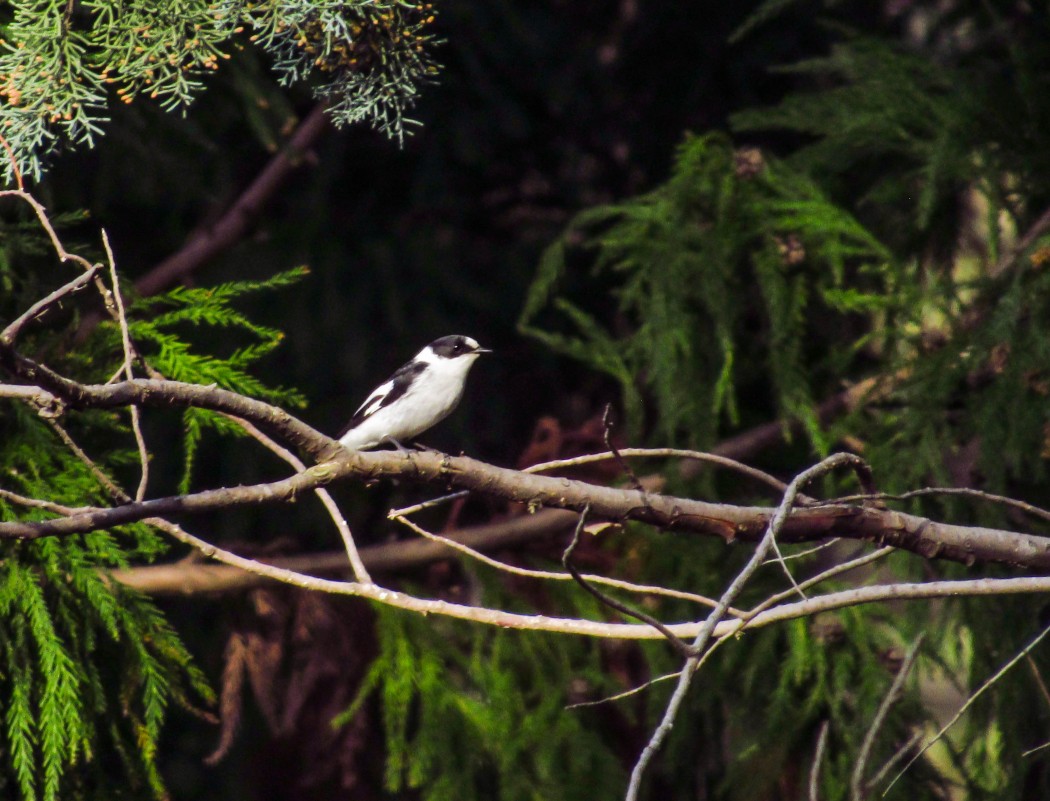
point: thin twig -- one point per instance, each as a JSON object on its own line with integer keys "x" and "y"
{"x": 823, "y": 576}
{"x": 969, "y": 702}
{"x": 36, "y": 503}
{"x": 1035, "y": 511}
{"x": 125, "y": 336}
{"x": 394, "y": 514}
{"x": 14, "y": 164}
{"x": 626, "y": 468}
{"x": 707, "y": 628}
{"x": 612, "y": 603}
{"x": 670, "y": 453}
{"x": 334, "y": 512}
{"x": 11, "y": 332}
{"x": 807, "y": 552}
{"x": 745, "y": 619}
{"x": 41, "y": 215}
{"x": 859, "y": 789}
{"x": 550, "y": 575}
{"x": 100, "y": 475}
{"x": 626, "y": 693}
{"x": 1043, "y": 690}
{"x": 1038, "y": 748}
{"x": 787, "y": 571}
{"x": 818, "y": 758}
{"x": 894, "y": 760}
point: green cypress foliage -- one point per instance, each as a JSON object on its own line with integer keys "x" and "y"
{"x": 89, "y": 668}
{"x": 718, "y": 279}
{"x": 63, "y": 63}
{"x": 186, "y": 312}
{"x": 471, "y": 714}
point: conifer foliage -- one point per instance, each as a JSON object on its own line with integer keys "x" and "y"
{"x": 62, "y": 63}
{"x": 88, "y": 667}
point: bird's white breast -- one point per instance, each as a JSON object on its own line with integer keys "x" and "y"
{"x": 433, "y": 395}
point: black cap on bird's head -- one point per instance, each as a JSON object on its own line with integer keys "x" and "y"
{"x": 454, "y": 346}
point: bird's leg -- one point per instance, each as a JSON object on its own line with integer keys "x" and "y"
{"x": 401, "y": 448}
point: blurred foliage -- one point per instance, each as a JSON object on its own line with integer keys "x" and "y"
{"x": 88, "y": 668}
{"x": 728, "y": 248}
{"x": 883, "y": 244}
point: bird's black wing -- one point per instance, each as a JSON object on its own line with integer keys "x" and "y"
{"x": 385, "y": 394}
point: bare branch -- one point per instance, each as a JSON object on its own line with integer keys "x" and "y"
{"x": 831, "y": 572}
{"x": 674, "y": 453}
{"x": 707, "y": 628}
{"x": 921, "y": 535}
{"x": 360, "y": 572}
{"x": 22, "y": 500}
{"x": 45, "y": 223}
{"x": 397, "y": 514}
{"x": 967, "y": 492}
{"x": 11, "y": 332}
{"x": 192, "y": 578}
{"x": 211, "y": 239}
{"x": 129, "y": 373}
{"x": 100, "y": 475}
{"x": 894, "y": 760}
{"x": 626, "y": 468}
{"x": 627, "y": 693}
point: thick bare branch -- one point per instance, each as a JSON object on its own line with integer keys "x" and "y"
{"x": 921, "y": 535}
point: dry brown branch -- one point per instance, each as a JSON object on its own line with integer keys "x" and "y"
{"x": 921, "y": 535}
{"x": 193, "y": 578}
{"x": 381, "y": 558}
{"x": 211, "y": 239}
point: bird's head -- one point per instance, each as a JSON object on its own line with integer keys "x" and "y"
{"x": 452, "y": 348}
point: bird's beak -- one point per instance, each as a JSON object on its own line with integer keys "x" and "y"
{"x": 483, "y": 350}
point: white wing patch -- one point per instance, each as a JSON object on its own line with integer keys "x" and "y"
{"x": 374, "y": 401}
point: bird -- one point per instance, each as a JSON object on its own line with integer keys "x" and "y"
{"x": 419, "y": 395}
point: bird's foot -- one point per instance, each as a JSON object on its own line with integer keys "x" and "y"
{"x": 400, "y": 448}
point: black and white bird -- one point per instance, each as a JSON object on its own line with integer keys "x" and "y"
{"x": 419, "y": 395}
